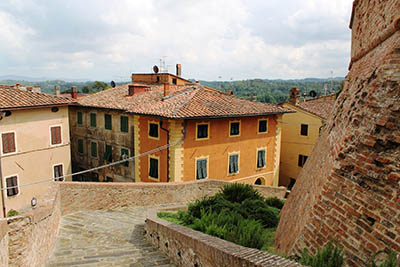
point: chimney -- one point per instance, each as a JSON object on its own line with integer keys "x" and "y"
{"x": 178, "y": 70}
{"x": 131, "y": 90}
{"x": 166, "y": 89}
{"x": 229, "y": 92}
{"x": 197, "y": 82}
{"x": 56, "y": 90}
{"x": 294, "y": 97}
{"x": 136, "y": 89}
{"x": 74, "y": 93}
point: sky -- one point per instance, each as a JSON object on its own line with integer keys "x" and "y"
{"x": 212, "y": 39}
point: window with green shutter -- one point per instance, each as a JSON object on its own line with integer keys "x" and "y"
{"x": 107, "y": 121}
{"x": 124, "y": 124}
{"x": 201, "y": 169}
{"x": 233, "y": 164}
{"x": 79, "y": 118}
{"x": 261, "y": 158}
{"x": 93, "y": 149}
{"x": 153, "y": 168}
{"x": 80, "y": 146}
{"x": 108, "y": 153}
{"x": 93, "y": 120}
{"x": 124, "y": 155}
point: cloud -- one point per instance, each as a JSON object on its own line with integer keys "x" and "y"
{"x": 99, "y": 39}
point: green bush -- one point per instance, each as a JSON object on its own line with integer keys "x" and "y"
{"x": 390, "y": 261}
{"x": 215, "y": 203}
{"x": 12, "y": 213}
{"x": 275, "y": 202}
{"x": 329, "y": 256}
{"x": 237, "y": 193}
{"x": 259, "y": 211}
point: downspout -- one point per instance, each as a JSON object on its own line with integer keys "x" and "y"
{"x": 161, "y": 123}
{"x": 2, "y": 191}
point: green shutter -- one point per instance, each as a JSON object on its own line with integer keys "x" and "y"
{"x": 93, "y": 122}
{"x": 124, "y": 151}
{"x": 79, "y": 119}
{"x": 80, "y": 145}
{"x": 107, "y": 122}
{"x": 124, "y": 124}
{"x": 93, "y": 149}
{"x": 108, "y": 153}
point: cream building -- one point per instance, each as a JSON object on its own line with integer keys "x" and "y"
{"x": 34, "y": 144}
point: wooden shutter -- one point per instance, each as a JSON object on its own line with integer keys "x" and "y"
{"x": 8, "y": 140}
{"x": 56, "y": 135}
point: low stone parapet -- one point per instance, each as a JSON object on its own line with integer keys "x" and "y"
{"x": 3, "y": 244}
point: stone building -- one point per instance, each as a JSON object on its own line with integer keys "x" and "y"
{"x": 35, "y": 146}
{"x": 300, "y": 132}
{"x": 210, "y": 133}
{"x": 349, "y": 190}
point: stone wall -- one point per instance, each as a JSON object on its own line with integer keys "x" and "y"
{"x": 100, "y": 196}
{"x": 187, "y": 247}
{"x": 349, "y": 189}
{"x": 3, "y": 243}
{"x": 32, "y": 235}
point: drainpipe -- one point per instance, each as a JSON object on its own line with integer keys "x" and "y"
{"x": 2, "y": 191}
{"x": 161, "y": 123}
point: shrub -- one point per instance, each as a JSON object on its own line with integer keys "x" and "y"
{"x": 258, "y": 210}
{"x": 390, "y": 261}
{"x": 237, "y": 193}
{"x": 215, "y": 203}
{"x": 329, "y": 256}
{"x": 12, "y": 213}
{"x": 275, "y": 202}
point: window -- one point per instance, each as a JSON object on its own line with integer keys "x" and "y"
{"x": 302, "y": 160}
{"x": 174, "y": 80}
{"x": 153, "y": 167}
{"x": 233, "y": 163}
{"x": 79, "y": 118}
{"x": 11, "y": 182}
{"x": 124, "y": 124}
{"x": 80, "y": 146}
{"x": 55, "y": 135}
{"x": 202, "y": 131}
{"x": 93, "y": 120}
{"x": 153, "y": 130}
{"x": 262, "y": 126}
{"x": 291, "y": 184}
{"x": 58, "y": 172}
{"x": 201, "y": 169}
{"x": 108, "y": 153}
{"x": 124, "y": 155}
{"x": 107, "y": 121}
{"x": 234, "y": 128}
{"x": 93, "y": 149}
{"x": 304, "y": 130}
{"x": 8, "y": 140}
{"x": 261, "y": 158}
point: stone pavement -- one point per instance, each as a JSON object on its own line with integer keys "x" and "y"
{"x": 105, "y": 238}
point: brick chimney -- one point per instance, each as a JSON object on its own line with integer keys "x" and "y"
{"x": 56, "y": 90}
{"x": 166, "y": 89}
{"x": 74, "y": 93}
{"x": 178, "y": 70}
{"x": 136, "y": 89}
{"x": 294, "y": 97}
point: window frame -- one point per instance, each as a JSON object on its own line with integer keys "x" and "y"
{"x": 91, "y": 149}
{"x": 158, "y": 130}
{"x": 258, "y": 126}
{"x": 303, "y": 161}
{"x": 54, "y": 173}
{"x": 18, "y": 188}
{"x": 158, "y": 167}
{"x": 79, "y": 118}
{"x": 15, "y": 144}
{"x": 234, "y": 153}
{"x": 95, "y": 119}
{"x": 83, "y": 146}
{"x": 301, "y": 129}
{"x": 105, "y": 122}
{"x": 197, "y": 131}
{"x": 265, "y": 157}
{"x": 195, "y": 167}
{"x": 61, "y": 137}
{"x": 230, "y": 127}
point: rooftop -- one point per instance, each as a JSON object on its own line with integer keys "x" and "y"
{"x": 183, "y": 102}
{"x": 320, "y": 106}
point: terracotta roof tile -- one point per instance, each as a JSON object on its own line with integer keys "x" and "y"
{"x": 12, "y": 98}
{"x": 320, "y": 108}
{"x": 188, "y": 101}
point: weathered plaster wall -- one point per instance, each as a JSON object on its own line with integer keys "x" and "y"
{"x": 349, "y": 190}
{"x": 3, "y": 243}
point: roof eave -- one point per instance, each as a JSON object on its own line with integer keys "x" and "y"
{"x": 36, "y": 106}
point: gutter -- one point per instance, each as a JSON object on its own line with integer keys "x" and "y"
{"x": 167, "y": 131}
{"x": 2, "y": 191}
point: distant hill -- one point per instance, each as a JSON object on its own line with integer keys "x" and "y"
{"x": 264, "y": 90}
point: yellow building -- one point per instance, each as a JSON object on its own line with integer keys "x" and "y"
{"x": 34, "y": 144}
{"x": 300, "y": 131}
{"x": 211, "y": 134}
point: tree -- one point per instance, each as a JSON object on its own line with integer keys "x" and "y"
{"x": 99, "y": 86}
{"x": 86, "y": 89}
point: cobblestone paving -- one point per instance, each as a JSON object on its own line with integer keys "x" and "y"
{"x": 105, "y": 238}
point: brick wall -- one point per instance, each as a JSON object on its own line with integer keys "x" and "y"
{"x": 187, "y": 247}
{"x": 3, "y": 243}
{"x": 99, "y": 196}
{"x": 349, "y": 189}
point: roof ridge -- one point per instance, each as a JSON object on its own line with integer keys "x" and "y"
{"x": 196, "y": 90}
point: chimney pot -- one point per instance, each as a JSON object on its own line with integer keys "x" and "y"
{"x": 131, "y": 90}
{"x": 178, "y": 70}
{"x": 57, "y": 90}
{"x": 166, "y": 89}
{"x": 74, "y": 93}
{"x": 294, "y": 97}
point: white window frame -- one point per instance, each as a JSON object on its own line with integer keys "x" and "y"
{"x": 58, "y": 164}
